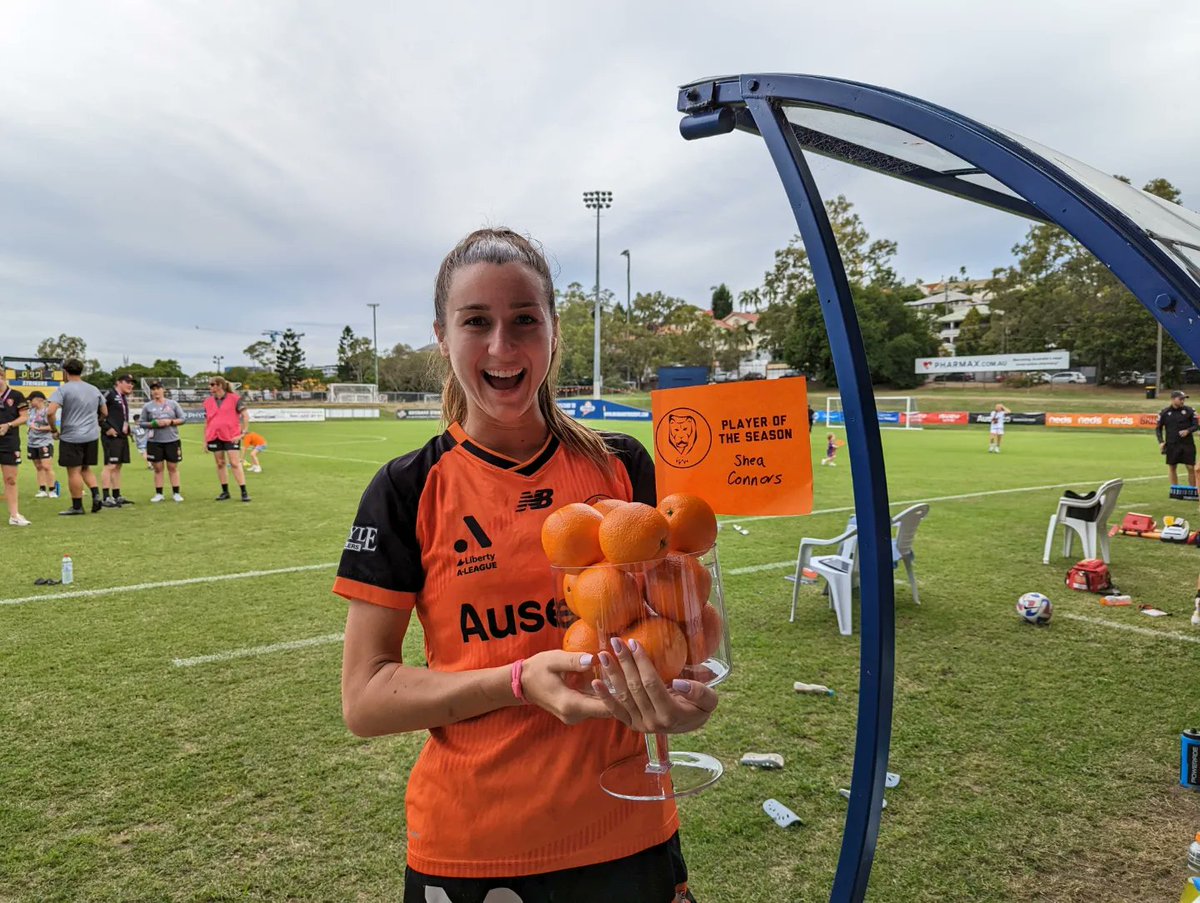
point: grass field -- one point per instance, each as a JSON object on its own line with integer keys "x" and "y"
{"x": 166, "y": 744}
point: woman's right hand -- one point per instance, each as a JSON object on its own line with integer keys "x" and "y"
{"x": 543, "y": 681}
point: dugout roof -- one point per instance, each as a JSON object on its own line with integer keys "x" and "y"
{"x": 1149, "y": 244}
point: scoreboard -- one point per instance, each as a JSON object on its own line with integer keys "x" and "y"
{"x": 32, "y": 372}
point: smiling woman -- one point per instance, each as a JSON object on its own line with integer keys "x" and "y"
{"x": 453, "y": 531}
{"x": 494, "y": 306}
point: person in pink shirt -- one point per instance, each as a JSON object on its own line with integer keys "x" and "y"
{"x": 226, "y": 421}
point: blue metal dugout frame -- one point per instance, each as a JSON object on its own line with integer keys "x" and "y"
{"x": 1161, "y": 272}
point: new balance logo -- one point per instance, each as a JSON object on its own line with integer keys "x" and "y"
{"x": 536, "y": 500}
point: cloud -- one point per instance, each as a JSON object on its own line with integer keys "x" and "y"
{"x": 245, "y": 167}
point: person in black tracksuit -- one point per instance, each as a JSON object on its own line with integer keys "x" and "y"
{"x": 114, "y": 436}
{"x": 1175, "y": 428}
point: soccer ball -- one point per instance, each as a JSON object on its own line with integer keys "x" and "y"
{"x": 1034, "y": 608}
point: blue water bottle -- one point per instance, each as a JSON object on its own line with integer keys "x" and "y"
{"x": 1189, "y": 759}
{"x": 68, "y": 570}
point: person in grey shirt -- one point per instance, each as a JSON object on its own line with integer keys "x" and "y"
{"x": 163, "y": 416}
{"x": 40, "y": 444}
{"x": 83, "y": 408}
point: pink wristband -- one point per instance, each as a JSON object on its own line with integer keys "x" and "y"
{"x": 517, "y": 691}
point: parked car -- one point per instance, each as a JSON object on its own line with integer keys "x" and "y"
{"x": 1150, "y": 379}
{"x": 753, "y": 375}
{"x": 1068, "y": 376}
{"x": 1126, "y": 378}
{"x": 954, "y": 378}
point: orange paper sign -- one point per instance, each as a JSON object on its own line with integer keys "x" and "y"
{"x": 743, "y": 447}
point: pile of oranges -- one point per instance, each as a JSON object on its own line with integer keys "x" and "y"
{"x": 632, "y": 572}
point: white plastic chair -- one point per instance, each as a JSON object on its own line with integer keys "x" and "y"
{"x": 840, "y": 571}
{"x": 906, "y": 524}
{"x": 1087, "y": 517}
{"x": 847, "y": 543}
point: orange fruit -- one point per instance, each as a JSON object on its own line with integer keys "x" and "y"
{"x": 693, "y": 526}
{"x": 568, "y": 587}
{"x": 581, "y": 637}
{"x": 607, "y": 598}
{"x": 570, "y": 536}
{"x": 606, "y": 505}
{"x": 633, "y": 532}
{"x": 677, "y": 586}
{"x": 703, "y": 635}
{"x": 664, "y": 642}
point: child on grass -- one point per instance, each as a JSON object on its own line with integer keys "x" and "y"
{"x": 830, "y": 451}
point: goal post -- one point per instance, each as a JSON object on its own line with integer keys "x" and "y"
{"x": 895, "y": 412}
{"x": 353, "y": 393}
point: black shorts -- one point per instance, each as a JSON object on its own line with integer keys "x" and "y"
{"x": 116, "y": 449}
{"x": 221, "y": 445}
{"x": 40, "y": 452}
{"x": 655, "y": 875}
{"x": 10, "y": 453}
{"x": 171, "y": 452}
{"x": 1180, "y": 453}
{"x": 78, "y": 454}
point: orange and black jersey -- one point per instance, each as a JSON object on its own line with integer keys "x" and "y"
{"x": 12, "y": 405}
{"x": 454, "y": 531}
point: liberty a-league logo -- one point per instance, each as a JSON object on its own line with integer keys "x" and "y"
{"x": 362, "y": 539}
{"x": 472, "y": 563}
{"x": 535, "y": 500}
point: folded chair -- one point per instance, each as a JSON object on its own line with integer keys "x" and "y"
{"x": 1085, "y": 516}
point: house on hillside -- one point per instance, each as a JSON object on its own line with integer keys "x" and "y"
{"x": 756, "y": 358}
{"x": 950, "y": 302}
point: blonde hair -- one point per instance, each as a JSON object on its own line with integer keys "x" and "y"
{"x": 222, "y": 381}
{"x": 503, "y": 246}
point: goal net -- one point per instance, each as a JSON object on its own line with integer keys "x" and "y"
{"x": 895, "y": 412}
{"x": 353, "y": 393}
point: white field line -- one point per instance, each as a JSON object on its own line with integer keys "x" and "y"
{"x": 257, "y": 650}
{"x": 775, "y": 565}
{"x": 755, "y": 568}
{"x": 212, "y": 578}
{"x": 273, "y": 451}
{"x": 376, "y": 461}
{"x": 938, "y": 498}
{"x": 1143, "y": 631}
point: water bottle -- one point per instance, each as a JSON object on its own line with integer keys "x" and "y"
{"x": 1194, "y": 856}
{"x": 1191, "y": 890}
{"x": 68, "y": 570}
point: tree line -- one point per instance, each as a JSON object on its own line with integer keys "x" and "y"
{"x": 1054, "y": 295}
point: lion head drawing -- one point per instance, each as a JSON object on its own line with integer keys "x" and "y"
{"x": 681, "y": 431}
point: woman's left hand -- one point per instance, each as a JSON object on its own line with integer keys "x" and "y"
{"x": 640, "y": 700}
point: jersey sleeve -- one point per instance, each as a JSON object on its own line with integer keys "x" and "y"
{"x": 381, "y": 560}
{"x": 638, "y": 464}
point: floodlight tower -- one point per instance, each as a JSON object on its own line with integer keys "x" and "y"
{"x": 597, "y": 200}
{"x": 628, "y": 283}
{"x": 375, "y": 339}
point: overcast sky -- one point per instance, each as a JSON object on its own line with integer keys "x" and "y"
{"x": 178, "y": 177}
